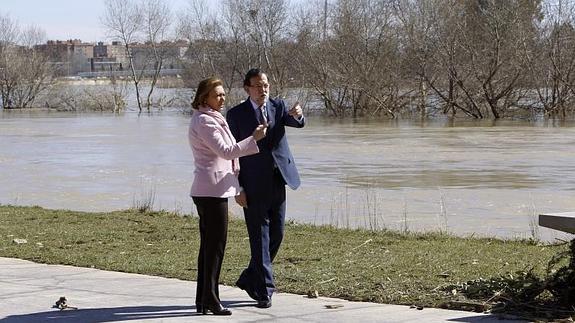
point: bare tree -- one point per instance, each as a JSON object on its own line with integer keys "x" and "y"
{"x": 477, "y": 58}
{"x": 239, "y": 54}
{"x": 244, "y": 34}
{"x": 443, "y": 73}
{"x": 157, "y": 18}
{"x": 198, "y": 26}
{"x": 417, "y": 31}
{"x": 479, "y": 50}
{"x": 267, "y": 25}
{"x": 355, "y": 66}
{"x": 551, "y": 62}
{"x": 24, "y": 71}
{"x": 123, "y": 19}
{"x": 315, "y": 58}
{"x": 497, "y": 32}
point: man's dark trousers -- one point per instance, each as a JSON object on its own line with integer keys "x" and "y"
{"x": 265, "y": 221}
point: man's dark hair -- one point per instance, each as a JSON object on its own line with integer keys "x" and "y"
{"x": 252, "y": 73}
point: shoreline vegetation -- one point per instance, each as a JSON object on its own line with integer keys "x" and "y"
{"x": 172, "y": 93}
{"x": 474, "y": 59}
{"x": 422, "y": 269}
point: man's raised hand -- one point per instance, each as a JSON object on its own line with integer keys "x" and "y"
{"x": 296, "y": 111}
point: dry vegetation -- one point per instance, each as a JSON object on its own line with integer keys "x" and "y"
{"x": 391, "y": 58}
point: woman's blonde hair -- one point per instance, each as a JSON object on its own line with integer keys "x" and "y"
{"x": 204, "y": 89}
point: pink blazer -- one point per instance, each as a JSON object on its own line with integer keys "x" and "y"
{"x": 215, "y": 154}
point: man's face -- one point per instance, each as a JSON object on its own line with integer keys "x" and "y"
{"x": 259, "y": 89}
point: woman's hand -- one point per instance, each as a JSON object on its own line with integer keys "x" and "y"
{"x": 260, "y": 132}
{"x": 242, "y": 200}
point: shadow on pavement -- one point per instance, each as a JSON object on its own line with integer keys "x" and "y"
{"x": 112, "y": 314}
{"x": 484, "y": 319}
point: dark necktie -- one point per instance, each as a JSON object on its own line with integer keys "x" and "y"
{"x": 262, "y": 114}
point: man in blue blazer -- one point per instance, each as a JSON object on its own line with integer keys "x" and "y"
{"x": 263, "y": 177}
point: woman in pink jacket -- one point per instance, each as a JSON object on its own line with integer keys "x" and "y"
{"x": 216, "y": 154}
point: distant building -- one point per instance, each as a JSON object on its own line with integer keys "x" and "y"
{"x": 100, "y": 50}
{"x": 73, "y": 57}
{"x": 70, "y": 56}
{"x": 172, "y": 54}
{"x": 109, "y": 57}
{"x": 114, "y": 51}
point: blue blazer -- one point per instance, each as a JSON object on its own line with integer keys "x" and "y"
{"x": 257, "y": 171}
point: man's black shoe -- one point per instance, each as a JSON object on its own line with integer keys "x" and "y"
{"x": 264, "y": 304}
{"x": 251, "y": 293}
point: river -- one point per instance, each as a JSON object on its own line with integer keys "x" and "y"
{"x": 467, "y": 178}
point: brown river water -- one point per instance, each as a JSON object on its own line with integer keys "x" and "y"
{"x": 467, "y": 178}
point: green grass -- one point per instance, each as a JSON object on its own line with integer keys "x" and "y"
{"x": 361, "y": 265}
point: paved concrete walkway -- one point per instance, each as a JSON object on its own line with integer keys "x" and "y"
{"x": 28, "y": 291}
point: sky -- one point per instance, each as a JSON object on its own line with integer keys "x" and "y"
{"x": 65, "y": 19}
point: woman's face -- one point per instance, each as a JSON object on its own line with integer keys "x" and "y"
{"x": 216, "y": 98}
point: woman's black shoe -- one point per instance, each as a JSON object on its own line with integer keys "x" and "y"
{"x": 264, "y": 304}
{"x": 199, "y": 308}
{"x": 217, "y": 309}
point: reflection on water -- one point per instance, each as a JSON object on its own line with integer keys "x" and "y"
{"x": 488, "y": 178}
{"x": 394, "y": 179}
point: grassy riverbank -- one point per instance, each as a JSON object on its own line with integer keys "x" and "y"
{"x": 386, "y": 267}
